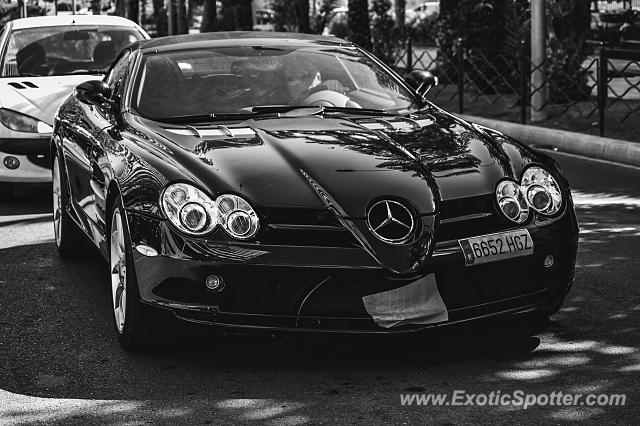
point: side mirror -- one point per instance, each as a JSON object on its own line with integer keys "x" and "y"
{"x": 94, "y": 92}
{"x": 421, "y": 81}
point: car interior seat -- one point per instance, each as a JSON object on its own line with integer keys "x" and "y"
{"x": 104, "y": 53}
{"x": 31, "y": 59}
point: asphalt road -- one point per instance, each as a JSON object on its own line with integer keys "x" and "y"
{"x": 60, "y": 362}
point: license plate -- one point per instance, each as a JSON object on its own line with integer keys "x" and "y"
{"x": 493, "y": 247}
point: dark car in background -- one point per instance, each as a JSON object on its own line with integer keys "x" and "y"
{"x": 221, "y": 195}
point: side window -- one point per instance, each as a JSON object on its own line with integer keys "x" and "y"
{"x": 117, "y": 75}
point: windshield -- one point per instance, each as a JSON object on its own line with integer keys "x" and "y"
{"x": 237, "y": 79}
{"x": 60, "y": 50}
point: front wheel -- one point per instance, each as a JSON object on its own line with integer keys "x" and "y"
{"x": 134, "y": 327}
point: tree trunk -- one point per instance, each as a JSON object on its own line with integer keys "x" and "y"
{"x": 132, "y": 8}
{"x": 191, "y": 4}
{"x": 121, "y": 7}
{"x": 95, "y": 7}
{"x": 400, "y": 9}
{"x": 359, "y": 23}
{"x": 228, "y": 13}
{"x": 158, "y": 5}
{"x": 208, "y": 16}
{"x": 236, "y": 15}
{"x": 181, "y": 17}
{"x": 302, "y": 16}
{"x": 244, "y": 15}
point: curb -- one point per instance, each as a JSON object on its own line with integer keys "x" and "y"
{"x": 614, "y": 150}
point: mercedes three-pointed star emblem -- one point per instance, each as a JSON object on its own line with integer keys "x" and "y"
{"x": 390, "y": 221}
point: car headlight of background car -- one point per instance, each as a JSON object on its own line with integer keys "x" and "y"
{"x": 194, "y": 213}
{"x": 537, "y": 190}
{"x": 22, "y": 123}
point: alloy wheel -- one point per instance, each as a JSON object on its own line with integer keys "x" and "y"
{"x": 118, "y": 263}
{"x": 57, "y": 200}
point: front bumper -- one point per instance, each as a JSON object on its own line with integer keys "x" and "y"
{"x": 320, "y": 289}
{"x": 34, "y": 157}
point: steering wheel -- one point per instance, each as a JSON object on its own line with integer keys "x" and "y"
{"x": 325, "y": 97}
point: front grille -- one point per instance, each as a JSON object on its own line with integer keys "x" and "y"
{"x": 342, "y": 295}
{"x": 303, "y": 227}
{"x": 457, "y": 207}
{"x": 468, "y": 217}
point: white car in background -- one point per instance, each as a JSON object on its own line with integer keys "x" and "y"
{"x": 41, "y": 60}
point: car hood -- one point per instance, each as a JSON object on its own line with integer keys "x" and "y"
{"x": 431, "y": 157}
{"x": 342, "y": 164}
{"x": 38, "y": 97}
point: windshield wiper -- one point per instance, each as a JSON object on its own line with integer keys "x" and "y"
{"x": 275, "y": 111}
{"x": 305, "y": 110}
{"x": 288, "y": 110}
{"x": 199, "y": 118}
{"x": 359, "y": 111}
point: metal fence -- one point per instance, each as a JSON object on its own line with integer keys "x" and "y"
{"x": 600, "y": 95}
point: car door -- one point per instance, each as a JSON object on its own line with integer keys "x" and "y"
{"x": 83, "y": 148}
{"x": 106, "y": 140}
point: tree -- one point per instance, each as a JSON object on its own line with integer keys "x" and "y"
{"x": 383, "y": 31}
{"x": 359, "y": 23}
{"x": 287, "y": 18}
{"x": 302, "y": 16}
{"x": 236, "y": 15}
{"x": 208, "y": 16}
{"x": 244, "y": 15}
{"x": 95, "y": 7}
{"x": 182, "y": 26}
{"x": 568, "y": 29}
{"x": 400, "y": 9}
{"x": 132, "y": 7}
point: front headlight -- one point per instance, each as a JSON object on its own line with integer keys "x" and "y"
{"x": 511, "y": 201}
{"x": 22, "y": 123}
{"x": 189, "y": 209}
{"x": 194, "y": 213}
{"x": 542, "y": 191}
{"x": 237, "y": 217}
{"x": 537, "y": 189}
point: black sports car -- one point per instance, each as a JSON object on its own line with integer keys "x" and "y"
{"x": 295, "y": 183}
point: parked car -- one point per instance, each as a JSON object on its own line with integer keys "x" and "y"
{"x": 43, "y": 59}
{"x": 424, "y": 10}
{"x": 615, "y": 26}
{"x": 66, "y": 8}
{"x": 220, "y": 193}
{"x": 263, "y": 20}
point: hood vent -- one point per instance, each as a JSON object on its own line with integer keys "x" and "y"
{"x": 24, "y": 85}
{"x": 214, "y": 132}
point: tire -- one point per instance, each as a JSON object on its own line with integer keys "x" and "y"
{"x": 133, "y": 320}
{"x": 69, "y": 239}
